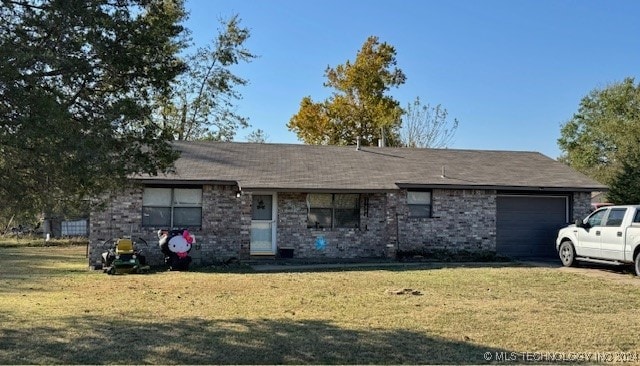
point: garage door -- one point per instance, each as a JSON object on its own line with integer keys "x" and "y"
{"x": 527, "y": 225}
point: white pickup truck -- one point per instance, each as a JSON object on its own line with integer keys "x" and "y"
{"x": 608, "y": 235}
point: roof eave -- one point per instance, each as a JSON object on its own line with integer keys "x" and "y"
{"x": 185, "y": 182}
{"x": 315, "y": 190}
{"x": 400, "y": 185}
{"x": 503, "y": 188}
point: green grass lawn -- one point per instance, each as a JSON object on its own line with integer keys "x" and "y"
{"x": 12, "y": 241}
{"x": 53, "y": 311}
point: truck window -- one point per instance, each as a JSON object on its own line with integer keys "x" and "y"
{"x": 616, "y": 215}
{"x": 636, "y": 218}
{"x": 596, "y": 218}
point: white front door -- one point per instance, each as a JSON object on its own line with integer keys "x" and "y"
{"x": 263, "y": 224}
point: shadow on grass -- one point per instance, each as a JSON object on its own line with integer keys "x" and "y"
{"x": 623, "y": 269}
{"x": 100, "y": 340}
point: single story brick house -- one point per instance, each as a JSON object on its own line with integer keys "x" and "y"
{"x": 244, "y": 200}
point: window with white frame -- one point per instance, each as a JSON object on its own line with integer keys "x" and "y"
{"x": 172, "y": 207}
{"x": 329, "y": 210}
{"x": 419, "y": 203}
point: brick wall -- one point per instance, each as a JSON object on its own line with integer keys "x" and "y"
{"x": 222, "y": 235}
{"x": 581, "y": 205}
{"x": 461, "y": 220}
{"x": 368, "y": 241}
{"x": 122, "y": 216}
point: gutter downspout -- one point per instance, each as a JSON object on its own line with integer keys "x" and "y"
{"x": 397, "y": 233}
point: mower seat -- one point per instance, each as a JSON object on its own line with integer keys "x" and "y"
{"x": 124, "y": 246}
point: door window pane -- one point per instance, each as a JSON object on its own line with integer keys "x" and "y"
{"x": 261, "y": 237}
{"x": 261, "y": 207}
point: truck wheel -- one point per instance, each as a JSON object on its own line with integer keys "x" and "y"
{"x": 636, "y": 263}
{"x": 567, "y": 254}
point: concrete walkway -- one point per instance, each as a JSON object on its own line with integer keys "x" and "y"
{"x": 283, "y": 267}
{"x": 303, "y": 267}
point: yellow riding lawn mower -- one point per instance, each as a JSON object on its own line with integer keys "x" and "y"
{"x": 124, "y": 256}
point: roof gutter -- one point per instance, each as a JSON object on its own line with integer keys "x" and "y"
{"x": 315, "y": 190}
{"x": 502, "y": 188}
{"x": 184, "y": 182}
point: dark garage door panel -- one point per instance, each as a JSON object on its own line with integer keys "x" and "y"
{"x": 527, "y": 225}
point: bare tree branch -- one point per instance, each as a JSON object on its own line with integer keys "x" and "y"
{"x": 427, "y": 126}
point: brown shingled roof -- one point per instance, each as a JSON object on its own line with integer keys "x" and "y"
{"x": 332, "y": 168}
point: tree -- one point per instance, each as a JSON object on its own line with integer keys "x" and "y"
{"x": 426, "y": 126}
{"x": 201, "y": 105}
{"x": 359, "y": 106}
{"x": 625, "y": 185}
{"x": 604, "y": 132}
{"x": 258, "y": 136}
{"x": 77, "y": 82}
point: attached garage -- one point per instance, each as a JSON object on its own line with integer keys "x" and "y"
{"x": 527, "y": 225}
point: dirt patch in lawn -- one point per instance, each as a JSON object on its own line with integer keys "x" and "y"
{"x": 618, "y": 274}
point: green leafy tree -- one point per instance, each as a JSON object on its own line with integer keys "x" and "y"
{"x": 625, "y": 185}
{"x": 604, "y": 132}
{"x": 201, "y": 104}
{"x": 77, "y": 86}
{"x": 359, "y": 105}
{"x": 424, "y": 125}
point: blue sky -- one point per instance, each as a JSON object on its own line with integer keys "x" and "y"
{"x": 510, "y": 71}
